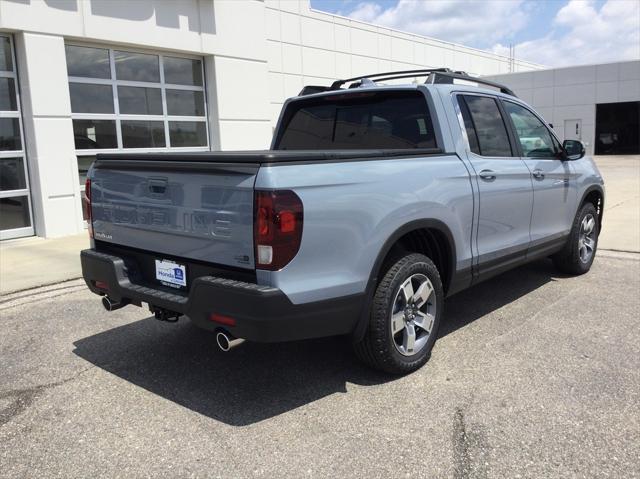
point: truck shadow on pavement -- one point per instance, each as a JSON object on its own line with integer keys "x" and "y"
{"x": 254, "y": 382}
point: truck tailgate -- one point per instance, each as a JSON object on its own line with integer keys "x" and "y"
{"x": 196, "y": 210}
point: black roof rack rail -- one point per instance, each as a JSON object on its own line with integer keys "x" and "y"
{"x": 389, "y": 76}
{"x": 448, "y": 77}
{"x": 435, "y": 76}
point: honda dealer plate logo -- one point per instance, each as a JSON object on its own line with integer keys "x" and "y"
{"x": 170, "y": 273}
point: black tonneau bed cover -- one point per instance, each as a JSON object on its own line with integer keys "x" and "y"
{"x": 263, "y": 156}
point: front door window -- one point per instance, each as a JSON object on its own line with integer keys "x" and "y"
{"x": 535, "y": 139}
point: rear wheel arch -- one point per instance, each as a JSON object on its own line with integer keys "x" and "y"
{"x": 430, "y": 237}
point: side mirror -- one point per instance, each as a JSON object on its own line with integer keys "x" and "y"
{"x": 574, "y": 149}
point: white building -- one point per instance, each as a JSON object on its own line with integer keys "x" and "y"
{"x": 597, "y": 104}
{"x": 82, "y": 76}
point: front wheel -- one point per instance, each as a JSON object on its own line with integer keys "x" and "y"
{"x": 405, "y": 315}
{"x": 579, "y": 252}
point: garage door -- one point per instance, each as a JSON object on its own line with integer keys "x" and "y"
{"x": 618, "y": 128}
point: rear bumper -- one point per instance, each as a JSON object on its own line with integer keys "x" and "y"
{"x": 262, "y": 313}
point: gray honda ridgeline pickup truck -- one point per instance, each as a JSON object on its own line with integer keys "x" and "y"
{"x": 374, "y": 204}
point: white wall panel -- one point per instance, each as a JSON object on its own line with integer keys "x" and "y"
{"x": 434, "y": 56}
{"x": 606, "y": 73}
{"x": 48, "y": 134}
{"x": 385, "y": 43}
{"x": 276, "y": 108}
{"x": 607, "y": 91}
{"x": 541, "y": 96}
{"x": 401, "y": 50}
{"x": 320, "y": 63}
{"x": 276, "y": 87}
{"x": 290, "y": 28}
{"x": 575, "y": 75}
{"x": 364, "y": 42}
{"x": 543, "y": 78}
{"x": 311, "y": 80}
{"x": 362, "y": 65}
{"x": 384, "y": 66}
{"x": 586, "y": 113}
{"x": 291, "y": 58}
{"x": 47, "y": 74}
{"x": 274, "y": 55}
{"x": 272, "y": 24}
{"x": 292, "y": 85}
{"x": 241, "y": 89}
{"x": 317, "y": 33}
{"x": 343, "y": 65}
{"x": 629, "y": 90}
{"x": 342, "y": 38}
{"x": 63, "y": 215}
{"x": 292, "y": 6}
{"x": 245, "y": 135}
{"x": 629, "y": 70}
{"x": 42, "y": 17}
{"x": 579, "y": 94}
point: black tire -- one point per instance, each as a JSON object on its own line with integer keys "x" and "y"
{"x": 377, "y": 349}
{"x": 569, "y": 260}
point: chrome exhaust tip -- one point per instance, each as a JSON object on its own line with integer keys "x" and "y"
{"x": 226, "y": 342}
{"x": 111, "y": 304}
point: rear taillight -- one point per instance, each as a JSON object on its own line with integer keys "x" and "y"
{"x": 277, "y": 228}
{"x": 87, "y": 199}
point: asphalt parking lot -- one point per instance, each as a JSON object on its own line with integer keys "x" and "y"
{"x": 534, "y": 375}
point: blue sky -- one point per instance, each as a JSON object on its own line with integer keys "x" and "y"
{"x": 551, "y": 32}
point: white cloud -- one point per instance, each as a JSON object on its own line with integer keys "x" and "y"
{"x": 581, "y": 31}
{"x": 469, "y": 22}
{"x": 582, "y": 34}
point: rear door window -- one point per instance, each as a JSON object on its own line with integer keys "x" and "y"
{"x": 485, "y": 120}
{"x": 376, "y": 120}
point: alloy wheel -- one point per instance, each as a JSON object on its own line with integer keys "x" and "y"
{"x": 587, "y": 238}
{"x": 413, "y": 314}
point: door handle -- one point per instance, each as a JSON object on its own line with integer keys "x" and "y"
{"x": 487, "y": 175}
{"x": 538, "y": 174}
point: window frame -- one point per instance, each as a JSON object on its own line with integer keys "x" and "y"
{"x": 118, "y": 117}
{"x": 21, "y": 153}
{"x": 511, "y": 125}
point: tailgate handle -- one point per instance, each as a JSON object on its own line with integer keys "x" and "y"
{"x": 158, "y": 186}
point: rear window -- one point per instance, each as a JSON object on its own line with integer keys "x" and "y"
{"x": 380, "y": 120}
{"x": 486, "y": 130}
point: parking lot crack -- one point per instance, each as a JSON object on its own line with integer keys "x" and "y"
{"x": 21, "y": 399}
{"x": 461, "y": 459}
{"x": 469, "y": 448}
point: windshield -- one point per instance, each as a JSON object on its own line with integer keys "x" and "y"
{"x": 372, "y": 120}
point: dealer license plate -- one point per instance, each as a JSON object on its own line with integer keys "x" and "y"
{"x": 171, "y": 274}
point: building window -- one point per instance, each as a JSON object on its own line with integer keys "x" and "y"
{"x": 15, "y": 206}
{"x": 124, "y": 100}
{"x": 127, "y": 100}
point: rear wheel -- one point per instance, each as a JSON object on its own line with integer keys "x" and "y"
{"x": 579, "y": 252}
{"x": 405, "y": 315}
